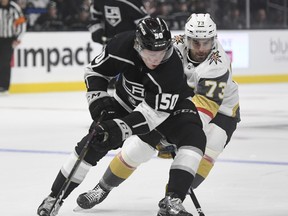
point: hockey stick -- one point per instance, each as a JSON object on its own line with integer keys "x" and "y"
{"x": 193, "y": 196}
{"x": 195, "y": 202}
{"x": 81, "y": 156}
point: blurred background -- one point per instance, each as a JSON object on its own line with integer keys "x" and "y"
{"x": 57, "y": 45}
{"x": 228, "y": 14}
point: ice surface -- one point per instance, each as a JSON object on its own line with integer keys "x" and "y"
{"x": 38, "y": 131}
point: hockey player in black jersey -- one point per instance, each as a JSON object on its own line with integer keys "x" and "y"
{"x": 111, "y": 17}
{"x": 151, "y": 100}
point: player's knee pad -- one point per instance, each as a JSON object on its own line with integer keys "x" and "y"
{"x": 80, "y": 173}
{"x": 187, "y": 159}
{"x": 216, "y": 140}
{"x": 135, "y": 151}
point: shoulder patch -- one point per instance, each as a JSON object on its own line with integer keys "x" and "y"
{"x": 178, "y": 39}
{"x": 112, "y": 15}
{"x": 215, "y": 57}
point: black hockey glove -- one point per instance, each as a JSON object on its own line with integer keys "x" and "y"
{"x": 105, "y": 104}
{"x": 110, "y": 135}
{"x": 97, "y": 33}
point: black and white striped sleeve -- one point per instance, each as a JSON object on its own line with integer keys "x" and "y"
{"x": 13, "y": 22}
{"x": 19, "y": 21}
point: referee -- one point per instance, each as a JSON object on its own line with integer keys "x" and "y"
{"x": 12, "y": 27}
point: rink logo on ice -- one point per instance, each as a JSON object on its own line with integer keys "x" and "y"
{"x": 52, "y": 57}
{"x": 279, "y": 48}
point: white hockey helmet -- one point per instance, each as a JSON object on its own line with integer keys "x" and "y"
{"x": 200, "y": 26}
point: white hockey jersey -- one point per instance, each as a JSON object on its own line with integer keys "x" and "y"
{"x": 215, "y": 91}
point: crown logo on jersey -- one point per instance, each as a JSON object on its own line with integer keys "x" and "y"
{"x": 178, "y": 39}
{"x": 113, "y": 15}
{"x": 215, "y": 57}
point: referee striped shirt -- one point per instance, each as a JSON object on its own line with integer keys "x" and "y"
{"x": 12, "y": 21}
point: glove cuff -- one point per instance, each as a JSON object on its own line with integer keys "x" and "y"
{"x": 125, "y": 129}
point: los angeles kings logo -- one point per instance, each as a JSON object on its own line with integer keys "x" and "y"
{"x": 113, "y": 15}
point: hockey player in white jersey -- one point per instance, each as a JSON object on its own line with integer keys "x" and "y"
{"x": 209, "y": 74}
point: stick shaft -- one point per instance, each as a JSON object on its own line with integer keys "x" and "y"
{"x": 195, "y": 202}
{"x": 81, "y": 156}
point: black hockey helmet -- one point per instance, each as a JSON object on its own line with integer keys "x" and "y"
{"x": 152, "y": 34}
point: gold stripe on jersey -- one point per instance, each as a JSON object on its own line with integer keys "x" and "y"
{"x": 205, "y": 105}
{"x": 119, "y": 168}
{"x": 234, "y": 110}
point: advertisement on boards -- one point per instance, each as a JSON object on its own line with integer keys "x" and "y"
{"x": 49, "y": 56}
{"x": 236, "y": 45}
{"x": 46, "y": 57}
{"x": 269, "y": 52}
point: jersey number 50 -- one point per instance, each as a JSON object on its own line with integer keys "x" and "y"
{"x": 166, "y": 101}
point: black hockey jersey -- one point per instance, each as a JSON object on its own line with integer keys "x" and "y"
{"x": 116, "y": 16}
{"x": 151, "y": 93}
